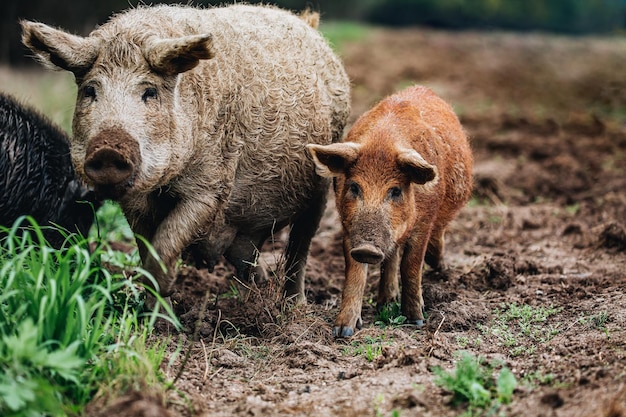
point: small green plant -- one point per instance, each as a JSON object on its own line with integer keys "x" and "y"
{"x": 233, "y": 291}
{"x": 533, "y": 379}
{"x": 573, "y": 208}
{"x": 472, "y": 383}
{"x": 596, "y": 321}
{"x": 390, "y": 315}
{"x": 462, "y": 341}
{"x": 521, "y": 327}
{"x": 369, "y": 347}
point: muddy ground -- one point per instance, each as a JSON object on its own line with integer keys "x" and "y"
{"x": 546, "y": 228}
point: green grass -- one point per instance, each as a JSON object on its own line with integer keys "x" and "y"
{"x": 536, "y": 378}
{"x": 52, "y": 93}
{"x": 521, "y": 328}
{"x": 370, "y": 347}
{"x": 111, "y": 225}
{"x": 338, "y": 33}
{"x": 69, "y": 327}
{"x": 596, "y": 321}
{"x": 473, "y": 383}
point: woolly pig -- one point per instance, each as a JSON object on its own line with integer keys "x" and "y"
{"x": 402, "y": 175}
{"x": 196, "y": 121}
{"x": 36, "y": 174}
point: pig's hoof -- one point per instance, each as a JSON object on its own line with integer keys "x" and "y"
{"x": 343, "y": 331}
{"x": 418, "y": 322}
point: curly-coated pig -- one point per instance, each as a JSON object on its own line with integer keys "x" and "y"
{"x": 36, "y": 174}
{"x": 401, "y": 176}
{"x": 196, "y": 121}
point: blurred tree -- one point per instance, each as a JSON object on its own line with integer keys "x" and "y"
{"x": 567, "y": 16}
{"x": 76, "y": 16}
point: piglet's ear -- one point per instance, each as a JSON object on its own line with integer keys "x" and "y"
{"x": 416, "y": 167}
{"x": 58, "y": 49}
{"x": 332, "y": 160}
{"x": 173, "y": 56}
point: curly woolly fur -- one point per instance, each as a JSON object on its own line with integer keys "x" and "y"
{"x": 224, "y": 163}
{"x": 36, "y": 174}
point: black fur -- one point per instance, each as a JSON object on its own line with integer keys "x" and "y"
{"x": 36, "y": 173}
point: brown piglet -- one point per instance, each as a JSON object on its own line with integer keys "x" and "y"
{"x": 401, "y": 175}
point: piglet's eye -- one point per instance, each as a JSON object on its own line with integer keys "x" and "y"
{"x": 149, "y": 93}
{"x": 354, "y": 190}
{"x": 395, "y": 193}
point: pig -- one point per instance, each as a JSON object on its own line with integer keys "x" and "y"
{"x": 196, "y": 121}
{"x": 37, "y": 177}
{"x": 401, "y": 175}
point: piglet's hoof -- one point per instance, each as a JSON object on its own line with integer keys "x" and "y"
{"x": 346, "y": 331}
{"x": 343, "y": 331}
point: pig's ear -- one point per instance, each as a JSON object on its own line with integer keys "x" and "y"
{"x": 416, "y": 167}
{"x": 173, "y": 56}
{"x": 58, "y": 49}
{"x": 332, "y": 160}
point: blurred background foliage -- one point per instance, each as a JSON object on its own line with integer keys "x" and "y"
{"x": 562, "y": 16}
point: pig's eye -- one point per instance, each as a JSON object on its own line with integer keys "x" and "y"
{"x": 89, "y": 91}
{"x": 354, "y": 190}
{"x": 394, "y": 193}
{"x": 149, "y": 93}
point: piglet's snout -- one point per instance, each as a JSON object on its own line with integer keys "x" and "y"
{"x": 112, "y": 158}
{"x": 370, "y": 234}
{"x": 367, "y": 254}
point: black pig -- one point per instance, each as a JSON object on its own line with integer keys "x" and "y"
{"x": 36, "y": 174}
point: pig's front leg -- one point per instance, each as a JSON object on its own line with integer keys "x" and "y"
{"x": 349, "y": 316}
{"x": 175, "y": 233}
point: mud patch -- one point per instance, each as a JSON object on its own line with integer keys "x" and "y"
{"x": 544, "y": 229}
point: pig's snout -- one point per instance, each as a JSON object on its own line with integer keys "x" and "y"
{"x": 111, "y": 162}
{"x": 367, "y": 254}
{"x": 108, "y": 167}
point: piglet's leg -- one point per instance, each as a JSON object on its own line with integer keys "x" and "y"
{"x": 349, "y": 316}
{"x": 411, "y": 273}
{"x": 434, "y": 251}
{"x": 388, "y": 285}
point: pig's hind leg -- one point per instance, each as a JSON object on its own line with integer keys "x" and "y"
{"x": 434, "y": 250}
{"x": 411, "y": 276}
{"x": 302, "y": 231}
{"x": 243, "y": 254}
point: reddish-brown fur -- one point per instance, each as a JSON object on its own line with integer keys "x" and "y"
{"x": 402, "y": 175}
